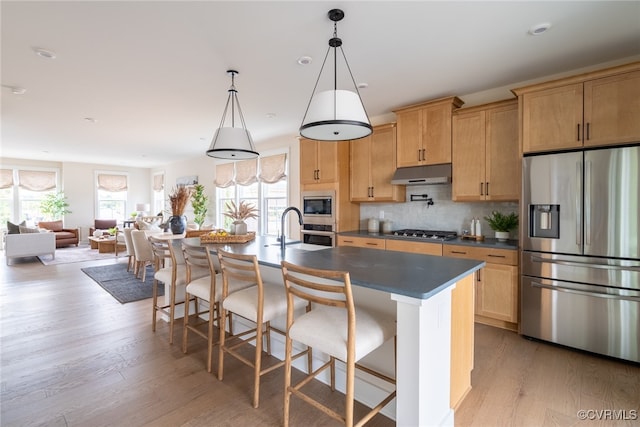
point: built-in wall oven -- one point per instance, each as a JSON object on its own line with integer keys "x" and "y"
{"x": 319, "y": 217}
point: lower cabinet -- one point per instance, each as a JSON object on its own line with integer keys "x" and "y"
{"x": 496, "y": 284}
{"x": 361, "y": 242}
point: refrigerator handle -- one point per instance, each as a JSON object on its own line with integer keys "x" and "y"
{"x": 586, "y": 293}
{"x": 587, "y": 202}
{"x": 578, "y": 203}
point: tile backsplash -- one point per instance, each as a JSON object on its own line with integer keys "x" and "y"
{"x": 444, "y": 214}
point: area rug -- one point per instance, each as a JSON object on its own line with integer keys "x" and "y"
{"x": 82, "y": 252}
{"x": 122, "y": 284}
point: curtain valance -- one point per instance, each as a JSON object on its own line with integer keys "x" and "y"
{"x": 272, "y": 168}
{"x": 112, "y": 182}
{"x": 36, "y": 180}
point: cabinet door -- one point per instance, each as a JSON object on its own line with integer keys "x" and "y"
{"x": 502, "y": 168}
{"x": 361, "y": 169}
{"x": 552, "y": 119}
{"x": 327, "y": 161}
{"x": 424, "y": 248}
{"x": 409, "y": 138}
{"x": 436, "y": 134}
{"x": 383, "y": 165}
{"x": 361, "y": 242}
{"x": 468, "y": 156}
{"x": 612, "y": 110}
{"x": 497, "y": 292}
{"x": 308, "y": 161}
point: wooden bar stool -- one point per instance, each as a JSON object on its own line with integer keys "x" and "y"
{"x": 335, "y": 327}
{"x": 260, "y": 303}
{"x": 208, "y": 290}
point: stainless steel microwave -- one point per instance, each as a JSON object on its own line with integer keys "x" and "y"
{"x": 318, "y": 207}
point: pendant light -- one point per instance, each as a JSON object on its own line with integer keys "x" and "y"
{"x": 335, "y": 115}
{"x": 232, "y": 143}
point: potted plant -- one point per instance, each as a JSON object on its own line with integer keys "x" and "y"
{"x": 199, "y": 201}
{"x": 54, "y": 205}
{"x": 178, "y": 199}
{"x": 502, "y": 224}
{"x": 239, "y": 213}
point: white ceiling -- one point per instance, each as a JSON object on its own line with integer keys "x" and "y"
{"x": 153, "y": 73}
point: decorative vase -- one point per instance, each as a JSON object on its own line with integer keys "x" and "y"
{"x": 97, "y": 233}
{"x": 239, "y": 228}
{"x": 502, "y": 236}
{"x": 178, "y": 224}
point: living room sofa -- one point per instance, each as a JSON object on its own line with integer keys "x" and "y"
{"x": 63, "y": 236}
{"x": 29, "y": 244}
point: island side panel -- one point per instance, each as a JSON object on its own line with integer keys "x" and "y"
{"x": 462, "y": 338}
{"x": 424, "y": 360}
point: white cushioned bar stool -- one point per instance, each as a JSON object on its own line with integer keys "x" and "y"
{"x": 261, "y": 303}
{"x": 202, "y": 289}
{"x": 170, "y": 270}
{"x": 336, "y": 327}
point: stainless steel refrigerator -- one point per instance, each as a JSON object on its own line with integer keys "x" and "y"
{"x": 580, "y": 282}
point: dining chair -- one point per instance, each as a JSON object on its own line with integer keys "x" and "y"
{"x": 204, "y": 290}
{"x": 336, "y": 327}
{"x": 172, "y": 271}
{"x": 142, "y": 252}
{"x": 128, "y": 243}
{"x": 260, "y": 303}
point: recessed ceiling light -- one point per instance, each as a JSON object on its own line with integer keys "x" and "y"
{"x": 363, "y": 85}
{"x": 16, "y": 90}
{"x": 305, "y": 60}
{"x": 90, "y": 119}
{"x": 538, "y": 29}
{"x": 44, "y": 53}
{"x": 270, "y": 115}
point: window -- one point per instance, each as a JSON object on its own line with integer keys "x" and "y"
{"x": 21, "y": 193}
{"x": 267, "y": 190}
{"x": 158, "y": 193}
{"x": 111, "y": 196}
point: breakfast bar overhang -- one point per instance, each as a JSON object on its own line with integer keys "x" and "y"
{"x": 421, "y": 286}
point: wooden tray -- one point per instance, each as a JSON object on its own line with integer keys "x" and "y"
{"x": 469, "y": 237}
{"x": 229, "y": 238}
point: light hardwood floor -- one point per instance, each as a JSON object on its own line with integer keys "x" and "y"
{"x": 71, "y": 355}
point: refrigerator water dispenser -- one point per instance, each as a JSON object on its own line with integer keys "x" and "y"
{"x": 544, "y": 221}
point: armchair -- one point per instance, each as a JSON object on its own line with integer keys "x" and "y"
{"x": 64, "y": 236}
{"x": 102, "y": 224}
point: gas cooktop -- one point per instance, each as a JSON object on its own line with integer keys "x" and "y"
{"x": 426, "y": 234}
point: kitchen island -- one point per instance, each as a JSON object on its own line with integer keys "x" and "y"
{"x": 421, "y": 287}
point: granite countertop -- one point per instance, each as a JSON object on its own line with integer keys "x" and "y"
{"x": 488, "y": 242}
{"x": 412, "y": 275}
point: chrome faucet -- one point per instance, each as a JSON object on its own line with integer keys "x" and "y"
{"x": 284, "y": 214}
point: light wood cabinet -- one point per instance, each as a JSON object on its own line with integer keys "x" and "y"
{"x": 424, "y": 248}
{"x": 361, "y": 242}
{"x": 486, "y": 160}
{"x": 424, "y": 132}
{"x": 589, "y": 110}
{"x": 496, "y": 298}
{"x": 318, "y": 161}
{"x": 373, "y": 163}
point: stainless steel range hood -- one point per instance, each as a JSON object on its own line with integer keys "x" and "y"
{"x": 420, "y": 175}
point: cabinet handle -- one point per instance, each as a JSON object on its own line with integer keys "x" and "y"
{"x": 588, "y": 126}
{"x": 487, "y": 188}
{"x": 372, "y": 244}
{"x": 347, "y": 241}
{"x": 482, "y": 189}
{"x": 497, "y": 256}
{"x": 478, "y": 278}
{"x": 317, "y": 174}
{"x": 424, "y": 154}
{"x": 578, "y": 132}
{"x": 419, "y": 154}
{"x": 458, "y": 252}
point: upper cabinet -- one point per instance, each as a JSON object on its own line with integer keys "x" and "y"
{"x": 486, "y": 162}
{"x": 373, "y": 163}
{"x": 424, "y": 132}
{"x": 594, "y": 109}
{"x": 318, "y": 161}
